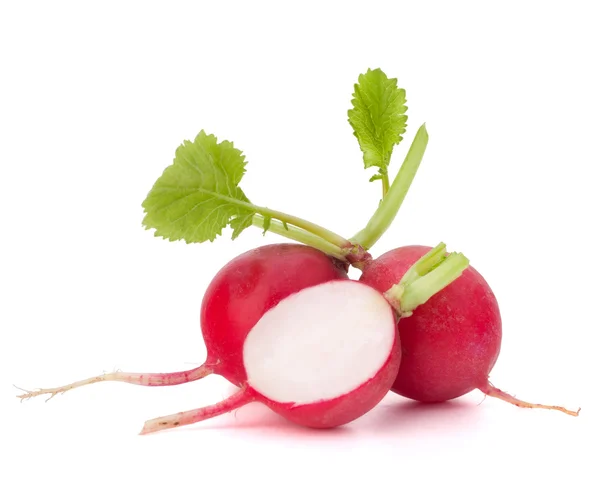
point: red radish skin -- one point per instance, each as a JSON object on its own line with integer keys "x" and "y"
{"x": 311, "y": 399}
{"x": 240, "y": 293}
{"x": 450, "y": 343}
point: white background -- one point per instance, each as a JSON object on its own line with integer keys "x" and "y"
{"x": 96, "y": 96}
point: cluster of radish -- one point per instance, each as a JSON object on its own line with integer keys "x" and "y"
{"x": 285, "y": 323}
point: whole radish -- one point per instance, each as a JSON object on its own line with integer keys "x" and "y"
{"x": 450, "y": 343}
{"x": 237, "y": 297}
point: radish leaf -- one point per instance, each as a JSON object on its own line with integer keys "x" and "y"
{"x": 378, "y": 119}
{"x": 198, "y": 195}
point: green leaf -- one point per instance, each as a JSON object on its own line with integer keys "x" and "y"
{"x": 266, "y": 223}
{"x": 239, "y": 224}
{"x": 198, "y": 195}
{"x": 378, "y": 118}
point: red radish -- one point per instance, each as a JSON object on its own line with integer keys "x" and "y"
{"x": 238, "y": 296}
{"x": 450, "y": 343}
{"x": 321, "y": 357}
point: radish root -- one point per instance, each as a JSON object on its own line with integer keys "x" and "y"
{"x": 142, "y": 379}
{"x": 233, "y": 402}
{"x": 493, "y": 391}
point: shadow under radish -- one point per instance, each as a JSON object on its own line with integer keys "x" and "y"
{"x": 411, "y": 418}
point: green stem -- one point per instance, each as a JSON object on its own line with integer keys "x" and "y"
{"x": 426, "y": 263}
{"x": 314, "y": 229}
{"x": 425, "y": 287}
{"x": 385, "y": 184}
{"x": 299, "y": 235}
{"x": 390, "y": 205}
{"x": 433, "y": 272}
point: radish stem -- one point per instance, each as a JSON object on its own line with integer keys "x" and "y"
{"x": 385, "y": 185}
{"x": 306, "y": 225}
{"x": 431, "y": 273}
{"x": 301, "y": 236}
{"x": 389, "y": 206}
{"x": 310, "y": 227}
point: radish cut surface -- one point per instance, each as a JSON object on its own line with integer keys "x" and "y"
{"x": 320, "y": 343}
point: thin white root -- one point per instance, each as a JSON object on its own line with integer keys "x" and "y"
{"x": 29, "y": 394}
{"x": 142, "y": 379}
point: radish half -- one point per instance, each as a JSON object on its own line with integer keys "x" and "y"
{"x": 321, "y": 357}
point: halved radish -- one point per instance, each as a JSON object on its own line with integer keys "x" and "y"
{"x": 321, "y": 357}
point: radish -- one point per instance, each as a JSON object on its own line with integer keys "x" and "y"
{"x": 321, "y": 358}
{"x": 450, "y": 343}
{"x": 237, "y": 297}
